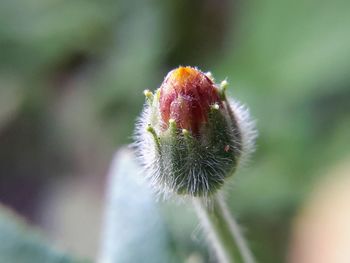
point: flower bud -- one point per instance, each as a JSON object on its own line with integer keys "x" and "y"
{"x": 190, "y": 136}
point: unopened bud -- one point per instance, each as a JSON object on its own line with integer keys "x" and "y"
{"x": 190, "y": 137}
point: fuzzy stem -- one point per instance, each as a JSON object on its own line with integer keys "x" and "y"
{"x": 223, "y": 231}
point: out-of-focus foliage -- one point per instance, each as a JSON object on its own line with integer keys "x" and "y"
{"x": 139, "y": 224}
{"x": 19, "y": 244}
{"x": 72, "y": 75}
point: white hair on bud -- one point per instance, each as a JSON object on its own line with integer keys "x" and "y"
{"x": 151, "y": 160}
{"x": 247, "y": 128}
{"x": 146, "y": 149}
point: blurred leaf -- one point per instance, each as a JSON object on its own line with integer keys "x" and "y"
{"x": 134, "y": 230}
{"x": 20, "y": 244}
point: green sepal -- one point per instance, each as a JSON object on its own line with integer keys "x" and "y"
{"x": 198, "y": 165}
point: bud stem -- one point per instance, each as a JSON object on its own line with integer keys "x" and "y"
{"x": 223, "y": 231}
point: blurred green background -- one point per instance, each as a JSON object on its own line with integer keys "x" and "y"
{"x": 71, "y": 80}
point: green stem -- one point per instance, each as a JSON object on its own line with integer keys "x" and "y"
{"x": 223, "y": 231}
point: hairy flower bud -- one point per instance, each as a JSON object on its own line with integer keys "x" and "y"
{"x": 190, "y": 136}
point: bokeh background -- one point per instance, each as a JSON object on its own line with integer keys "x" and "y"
{"x": 71, "y": 80}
